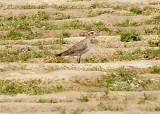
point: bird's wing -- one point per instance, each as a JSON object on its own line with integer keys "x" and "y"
{"x": 80, "y": 46}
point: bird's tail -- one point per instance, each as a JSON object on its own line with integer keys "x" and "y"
{"x": 60, "y": 54}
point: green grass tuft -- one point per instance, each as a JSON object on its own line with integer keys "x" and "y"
{"x": 64, "y": 35}
{"x": 62, "y": 17}
{"x": 57, "y": 88}
{"x": 84, "y": 99}
{"x": 95, "y": 5}
{"x": 136, "y": 10}
{"x": 110, "y": 108}
{"x": 14, "y": 35}
{"x": 155, "y": 69}
{"x": 127, "y": 37}
{"x": 157, "y": 108}
{"x": 42, "y": 100}
{"x": 154, "y": 43}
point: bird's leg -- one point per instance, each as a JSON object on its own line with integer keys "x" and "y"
{"x": 79, "y": 59}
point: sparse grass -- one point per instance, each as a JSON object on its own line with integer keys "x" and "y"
{"x": 62, "y": 17}
{"x": 95, "y": 5}
{"x": 97, "y": 68}
{"x": 127, "y": 37}
{"x": 84, "y": 99}
{"x": 97, "y": 83}
{"x": 98, "y": 26}
{"x": 111, "y": 108}
{"x": 136, "y": 54}
{"x": 155, "y": 31}
{"x": 149, "y": 10}
{"x": 18, "y": 23}
{"x": 63, "y": 111}
{"x": 35, "y": 6}
{"x": 50, "y": 42}
{"x": 60, "y": 40}
{"x": 136, "y": 10}
{"x": 18, "y": 55}
{"x": 154, "y": 43}
{"x": 77, "y": 111}
{"x": 94, "y": 14}
{"x": 54, "y": 59}
{"x": 19, "y": 100}
{"x": 130, "y": 14}
{"x": 127, "y": 23}
{"x": 44, "y": 6}
{"x": 92, "y": 90}
{"x": 147, "y": 97}
{"x": 63, "y": 7}
{"x": 58, "y": 88}
{"x": 76, "y": 24}
{"x": 42, "y": 100}
{"x": 23, "y": 23}
{"x": 155, "y": 20}
{"x": 13, "y": 24}
{"x": 39, "y": 45}
{"x": 31, "y": 87}
{"x": 154, "y": 69}
{"x": 102, "y": 12}
{"x": 120, "y": 7}
{"x": 64, "y": 35}
{"x": 148, "y": 22}
{"x": 16, "y": 35}
{"x": 154, "y": 3}
{"x": 123, "y": 80}
{"x": 55, "y": 47}
{"x": 2, "y": 70}
{"x": 157, "y": 108}
{"x": 15, "y": 68}
{"x": 60, "y": 60}
{"x": 152, "y": 51}
{"x": 106, "y": 92}
{"x": 146, "y": 10}
{"x": 44, "y": 16}
{"x": 80, "y": 0}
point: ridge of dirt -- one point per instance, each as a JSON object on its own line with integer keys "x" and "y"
{"x": 110, "y": 65}
{"x": 114, "y": 77}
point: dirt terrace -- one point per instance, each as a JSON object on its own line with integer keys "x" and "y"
{"x": 114, "y": 76}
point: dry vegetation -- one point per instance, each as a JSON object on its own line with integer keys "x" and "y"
{"x": 121, "y": 73}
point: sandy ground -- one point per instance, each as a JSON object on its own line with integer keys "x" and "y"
{"x": 38, "y": 2}
{"x": 65, "y": 74}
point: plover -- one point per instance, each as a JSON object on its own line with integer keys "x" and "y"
{"x": 79, "y": 48}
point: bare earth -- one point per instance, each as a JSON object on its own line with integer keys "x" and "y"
{"x": 65, "y": 74}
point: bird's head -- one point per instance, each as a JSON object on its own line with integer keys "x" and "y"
{"x": 91, "y": 34}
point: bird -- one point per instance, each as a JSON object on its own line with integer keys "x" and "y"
{"x": 79, "y": 48}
